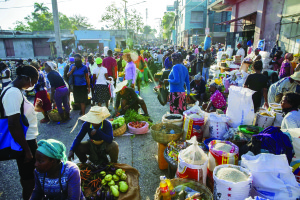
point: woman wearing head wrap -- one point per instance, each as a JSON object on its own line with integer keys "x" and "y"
{"x": 41, "y": 93}
{"x": 198, "y": 85}
{"x": 12, "y": 101}
{"x": 130, "y": 69}
{"x": 240, "y": 51}
{"x": 179, "y": 76}
{"x": 286, "y": 68}
{"x": 55, "y": 177}
{"x": 217, "y": 99}
{"x": 59, "y": 91}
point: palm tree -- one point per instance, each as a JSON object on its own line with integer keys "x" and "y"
{"x": 40, "y": 7}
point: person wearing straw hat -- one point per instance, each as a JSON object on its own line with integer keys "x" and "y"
{"x": 55, "y": 177}
{"x": 130, "y": 69}
{"x": 100, "y": 142}
{"x": 128, "y": 99}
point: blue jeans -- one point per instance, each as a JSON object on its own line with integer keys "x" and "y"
{"x": 205, "y": 73}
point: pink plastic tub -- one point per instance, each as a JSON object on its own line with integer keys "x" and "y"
{"x": 139, "y": 131}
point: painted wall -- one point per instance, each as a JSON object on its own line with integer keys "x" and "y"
{"x": 2, "y": 49}
{"x": 23, "y": 48}
{"x": 112, "y": 43}
{"x": 268, "y": 15}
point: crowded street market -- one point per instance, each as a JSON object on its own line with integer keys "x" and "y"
{"x": 160, "y": 118}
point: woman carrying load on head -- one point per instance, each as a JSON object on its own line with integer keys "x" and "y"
{"x": 55, "y": 177}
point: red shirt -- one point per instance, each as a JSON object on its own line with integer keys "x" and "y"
{"x": 109, "y": 63}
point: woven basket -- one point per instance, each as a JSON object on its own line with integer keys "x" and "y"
{"x": 207, "y": 195}
{"x": 120, "y": 131}
{"x": 55, "y": 116}
{"x": 161, "y": 137}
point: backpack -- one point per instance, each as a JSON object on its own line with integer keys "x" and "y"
{"x": 9, "y": 148}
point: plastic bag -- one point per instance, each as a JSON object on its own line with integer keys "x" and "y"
{"x": 192, "y": 163}
{"x": 272, "y": 176}
{"x": 240, "y": 109}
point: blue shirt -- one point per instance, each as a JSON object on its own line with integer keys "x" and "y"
{"x": 168, "y": 63}
{"x": 79, "y": 75}
{"x": 104, "y": 133}
{"x": 178, "y": 77}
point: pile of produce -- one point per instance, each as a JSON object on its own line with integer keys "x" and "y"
{"x": 133, "y": 116}
{"x": 118, "y": 122}
{"x": 265, "y": 114}
{"x": 55, "y": 110}
{"x": 102, "y": 182}
{"x": 137, "y": 124}
{"x": 231, "y": 174}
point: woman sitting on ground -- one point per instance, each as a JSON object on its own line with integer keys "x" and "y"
{"x": 198, "y": 85}
{"x": 290, "y": 108}
{"x": 217, "y": 100}
{"x": 59, "y": 91}
{"x": 55, "y": 177}
{"x": 100, "y": 141}
{"x": 128, "y": 99}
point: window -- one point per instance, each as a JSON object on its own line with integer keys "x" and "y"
{"x": 197, "y": 16}
{"x": 9, "y": 47}
{"x": 41, "y": 47}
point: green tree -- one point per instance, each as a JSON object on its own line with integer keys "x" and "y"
{"x": 168, "y": 24}
{"x": 114, "y": 17}
{"x": 40, "y": 7}
{"x": 42, "y": 20}
{"x": 79, "y": 20}
{"x": 147, "y": 30}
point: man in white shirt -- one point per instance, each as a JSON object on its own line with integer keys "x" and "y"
{"x": 160, "y": 57}
{"x": 240, "y": 52}
{"x": 61, "y": 66}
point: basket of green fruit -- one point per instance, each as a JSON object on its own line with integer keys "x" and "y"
{"x": 54, "y": 115}
{"x": 119, "y": 126}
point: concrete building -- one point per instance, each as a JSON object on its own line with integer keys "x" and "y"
{"x": 251, "y": 19}
{"x": 34, "y": 45}
{"x": 190, "y": 23}
{"x": 289, "y": 36}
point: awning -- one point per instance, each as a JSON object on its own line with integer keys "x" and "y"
{"x": 62, "y": 39}
{"x": 223, "y": 5}
{"x": 237, "y": 19}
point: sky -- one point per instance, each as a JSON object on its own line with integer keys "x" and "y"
{"x": 93, "y": 9}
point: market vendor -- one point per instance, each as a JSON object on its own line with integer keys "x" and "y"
{"x": 100, "y": 142}
{"x": 198, "y": 86}
{"x": 257, "y": 56}
{"x": 217, "y": 100}
{"x": 240, "y": 51}
{"x": 287, "y": 84}
{"x": 128, "y": 99}
{"x": 277, "y": 61}
{"x": 55, "y": 177}
{"x": 290, "y": 107}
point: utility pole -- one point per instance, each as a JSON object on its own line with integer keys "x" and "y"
{"x": 125, "y": 20}
{"x": 58, "y": 44}
{"x": 207, "y": 14}
{"x": 146, "y": 16}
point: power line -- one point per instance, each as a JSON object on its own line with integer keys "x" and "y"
{"x": 196, "y": 6}
{"x": 31, "y": 5}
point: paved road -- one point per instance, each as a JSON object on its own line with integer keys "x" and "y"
{"x": 140, "y": 152}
